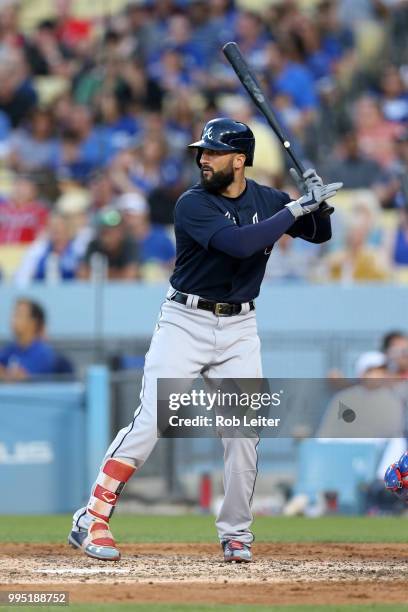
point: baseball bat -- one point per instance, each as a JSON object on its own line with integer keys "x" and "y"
{"x": 249, "y": 81}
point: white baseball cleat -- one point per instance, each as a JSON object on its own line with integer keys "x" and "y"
{"x": 96, "y": 542}
{"x": 237, "y": 551}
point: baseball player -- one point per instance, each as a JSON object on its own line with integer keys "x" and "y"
{"x": 396, "y": 477}
{"x": 225, "y": 229}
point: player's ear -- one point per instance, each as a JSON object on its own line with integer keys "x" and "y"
{"x": 239, "y": 161}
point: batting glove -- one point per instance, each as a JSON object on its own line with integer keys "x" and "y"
{"x": 312, "y": 199}
{"x": 307, "y": 181}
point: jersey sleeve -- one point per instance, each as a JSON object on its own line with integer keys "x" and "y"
{"x": 200, "y": 218}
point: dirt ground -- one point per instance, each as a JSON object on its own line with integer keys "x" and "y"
{"x": 279, "y": 574}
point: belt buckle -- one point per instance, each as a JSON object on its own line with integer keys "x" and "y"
{"x": 218, "y": 309}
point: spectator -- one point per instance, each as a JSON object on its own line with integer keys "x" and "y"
{"x": 156, "y": 250}
{"x": 358, "y": 171}
{"x": 377, "y": 411}
{"x": 74, "y": 205}
{"x": 102, "y": 191}
{"x": 94, "y": 146}
{"x": 54, "y": 258}
{"x": 337, "y": 40}
{"x": 290, "y": 77}
{"x": 5, "y": 131}
{"x": 146, "y": 167}
{"x": 22, "y": 216}
{"x": 394, "y": 95}
{"x": 10, "y": 34}
{"x": 399, "y": 170}
{"x": 376, "y": 136}
{"x": 17, "y": 94}
{"x": 329, "y": 125}
{"x": 357, "y": 261}
{"x": 252, "y": 38}
{"x": 70, "y": 163}
{"x": 401, "y": 164}
{"x": 398, "y": 242}
{"x": 180, "y": 38}
{"x": 395, "y": 347}
{"x": 71, "y": 31}
{"x": 179, "y": 114}
{"x": 397, "y": 32}
{"x": 62, "y": 110}
{"x": 170, "y": 70}
{"x": 289, "y": 262}
{"x": 206, "y": 36}
{"x": 29, "y": 354}
{"x": 117, "y": 126}
{"x": 118, "y": 252}
{"x": 351, "y": 166}
{"x": 135, "y": 86}
{"x": 140, "y": 35}
{"x": 45, "y": 55}
{"x": 33, "y": 146}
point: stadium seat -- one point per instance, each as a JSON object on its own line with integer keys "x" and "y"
{"x": 6, "y": 181}
{"x": 95, "y": 9}
{"x": 388, "y": 220}
{"x": 34, "y": 11}
{"x": 401, "y": 275}
{"x": 10, "y": 258}
{"x": 49, "y": 88}
{"x": 370, "y": 39}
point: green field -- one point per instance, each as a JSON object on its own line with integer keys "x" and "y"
{"x": 195, "y": 528}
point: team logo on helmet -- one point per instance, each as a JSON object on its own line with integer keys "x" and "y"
{"x": 209, "y": 133}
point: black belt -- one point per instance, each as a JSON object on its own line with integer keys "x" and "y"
{"x": 220, "y": 309}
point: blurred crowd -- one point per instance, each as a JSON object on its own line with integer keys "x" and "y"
{"x": 96, "y": 113}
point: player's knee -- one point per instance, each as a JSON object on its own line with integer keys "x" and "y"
{"x": 240, "y": 452}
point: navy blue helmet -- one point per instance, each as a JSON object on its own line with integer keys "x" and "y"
{"x": 226, "y": 135}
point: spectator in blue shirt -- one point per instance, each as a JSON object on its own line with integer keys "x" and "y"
{"x": 205, "y": 36}
{"x": 337, "y": 40}
{"x": 156, "y": 249}
{"x": 57, "y": 255}
{"x": 29, "y": 354}
{"x": 252, "y": 38}
{"x": 291, "y": 77}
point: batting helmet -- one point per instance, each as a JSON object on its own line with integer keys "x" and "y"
{"x": 226, "y": 135}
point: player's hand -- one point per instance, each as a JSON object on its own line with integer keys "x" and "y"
{"x": 312, "y": 179}
{"x": 313, "y": 198}
{"x": 309, "y": 179}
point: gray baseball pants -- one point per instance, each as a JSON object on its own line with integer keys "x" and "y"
{"x": 189, "y": 342}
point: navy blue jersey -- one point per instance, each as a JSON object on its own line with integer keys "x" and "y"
{"x": 208, "y": 272}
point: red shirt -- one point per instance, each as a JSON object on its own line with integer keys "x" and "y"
{"x": 21, "y": 223}
{"x": 378, "y": 143}
{"x": 73, "y": 31}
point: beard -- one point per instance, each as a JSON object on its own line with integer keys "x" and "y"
{"x": 217, "y": 181}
